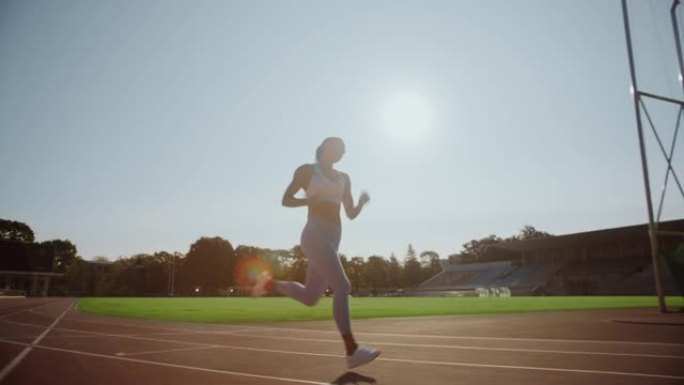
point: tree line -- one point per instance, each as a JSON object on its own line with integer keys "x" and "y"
{"x": 212, "y": 266}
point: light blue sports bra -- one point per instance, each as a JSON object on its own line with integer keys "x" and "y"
{"x": 323, "y": 188}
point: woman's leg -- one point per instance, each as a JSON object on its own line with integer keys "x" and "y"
{"x": 309, "y": 293}
{"x": 319, "y": 243}
{"x": 321, "y": 251}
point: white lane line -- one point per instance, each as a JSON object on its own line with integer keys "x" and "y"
{"x": 192, "y": 331}
{"x": 401, "y": 335}
{"x": 121, "y": 354}
{"x": 427, "y": 362}
{"x": 17, "y": 360}
{"x": 185, "y": 330}
{"x": 466, "y": 347}
{"x": 32, "y": 336}
{"x": 178, "y": 366}
{"x": 101, "y": 334}
{"x": 380, "y": 343}
{"x": 477, "y": 338}
{"x": 400, "y": 360}
{"x": 124, "y": 336}
{"x": 33, "y": 311}
{"x": 584, "y": 371}
{"x": 25, "y": 310}
{"x": 176, "y": 331}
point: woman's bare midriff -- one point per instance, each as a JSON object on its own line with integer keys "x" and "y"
{"x": 326, "y": 210}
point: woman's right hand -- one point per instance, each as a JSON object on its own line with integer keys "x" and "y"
{"x": 364, "y": 198}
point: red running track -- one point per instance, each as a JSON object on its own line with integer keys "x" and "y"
{"x": 47, "y": 341}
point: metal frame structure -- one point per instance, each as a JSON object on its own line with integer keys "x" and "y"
{"x": 639, "y": 106}
{"x": 34, "y": 277}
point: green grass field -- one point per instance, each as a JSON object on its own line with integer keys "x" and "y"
{"x": 233, "y": 310}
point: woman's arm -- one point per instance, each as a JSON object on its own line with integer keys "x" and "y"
{"x": 299, "y": 181}
{"x": 348, "y": 201}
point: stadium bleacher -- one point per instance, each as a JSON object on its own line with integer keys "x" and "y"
{"x": 603, "y": 262}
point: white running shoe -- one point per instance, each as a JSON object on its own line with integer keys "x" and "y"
{"x": 362, "y": 356}
{"x": 259, "y": 287}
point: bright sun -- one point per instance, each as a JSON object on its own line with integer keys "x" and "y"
{"x": 407, "y": 116}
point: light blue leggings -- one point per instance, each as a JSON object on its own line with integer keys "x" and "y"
{"x": 320, "y": 241}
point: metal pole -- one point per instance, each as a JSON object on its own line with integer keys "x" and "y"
{"x": 661, "y": 98}
{"x": 652, "y": 231}
{"x": 678, "y": 44}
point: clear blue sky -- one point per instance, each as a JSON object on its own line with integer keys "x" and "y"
{"x": 139, "y": 126}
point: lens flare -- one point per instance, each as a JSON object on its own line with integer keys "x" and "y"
{"x": 248, "y": 269}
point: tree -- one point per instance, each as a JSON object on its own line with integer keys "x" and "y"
{"x": 126, "y": 277}
{"x": 410, "y": 252}
{"x": 156, "y": 267}
{"x": 376, "y": 273}
{"x": 354, "y": 271}
{"x": 394, "y": 272}
{"x": 245, "y": 257}
{"x": 344, "y": 261}
{"x": 98, "y": 276}
{"x": 65, "y": 252}
{"x": 209, "y": 265}
{"x": 412, "y": 273}
{"x": 278, "y": 262}
{"x": 429, "y": 262}
{"x": 276, "y": 258}
{"x": 476, "y": 248}
{"x": 167, "y": 265}
{"x": 15, "y": 231}
{"x": 75, "y": 276}
{"x": 529, "y": 232}
{"x": 427, "y": 258}
{"x": 242, "y": 252}
{"x": 104, "y": 279}
{"x": 299, "y": 264}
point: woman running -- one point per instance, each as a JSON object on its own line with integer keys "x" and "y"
{"x": 326, "y": 190}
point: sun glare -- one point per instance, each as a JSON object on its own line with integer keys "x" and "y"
{"x": 407, "y": 116}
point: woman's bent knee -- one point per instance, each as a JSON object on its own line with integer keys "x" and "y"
{"x": 311, "y": 300}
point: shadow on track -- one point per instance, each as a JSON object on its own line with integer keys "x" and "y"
{"x": 353, "y": 378}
